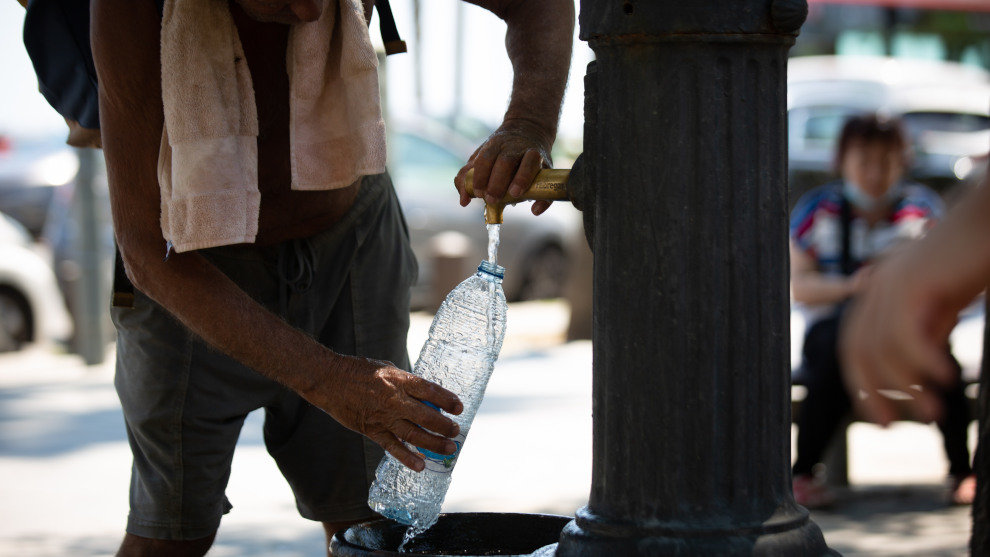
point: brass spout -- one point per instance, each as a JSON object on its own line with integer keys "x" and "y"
{"x": 550, "y": 184}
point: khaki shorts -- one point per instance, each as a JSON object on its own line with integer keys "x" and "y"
{"x": 185, "y": 403}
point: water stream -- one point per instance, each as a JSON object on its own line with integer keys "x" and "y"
{"x": 493, "y": 232}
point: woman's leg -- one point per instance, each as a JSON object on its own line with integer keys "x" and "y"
{"x": 826, "y": 403}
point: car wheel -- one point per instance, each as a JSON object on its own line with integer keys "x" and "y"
{"x": 16, "y": 320}
{"x": 545, "y": 271}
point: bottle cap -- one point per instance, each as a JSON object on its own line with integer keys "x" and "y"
{"x": 489, "y": 268}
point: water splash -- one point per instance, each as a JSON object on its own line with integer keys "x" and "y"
{"x": 493, "y": 240}
{"x": 411, "y": 533}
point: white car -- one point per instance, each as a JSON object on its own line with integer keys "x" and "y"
{"x": 31, "y": 305}
{"x": 945, "y": 108}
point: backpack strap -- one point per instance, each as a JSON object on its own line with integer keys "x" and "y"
{"x": 390, "y": 33}
{"x": 846, "y": 262}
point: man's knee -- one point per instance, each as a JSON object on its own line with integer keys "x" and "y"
{"x": 137, "y": 546}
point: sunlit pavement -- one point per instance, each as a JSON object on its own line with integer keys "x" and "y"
{"x": 64, "y": 462}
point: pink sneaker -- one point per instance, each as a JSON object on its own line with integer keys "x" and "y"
{"x": 811, "y": 493}
{"x": 962, "y": 490}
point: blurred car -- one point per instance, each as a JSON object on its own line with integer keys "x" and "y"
{"x": 943, "y": 105}
{"x": 31, "y": 169}
{"x": 31, "y": 307}
{"x": 425, "y": 155}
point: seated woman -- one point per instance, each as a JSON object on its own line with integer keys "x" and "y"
{"x": 836, "y": 231}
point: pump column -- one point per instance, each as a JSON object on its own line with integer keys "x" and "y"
{"x": 685, "y": 145}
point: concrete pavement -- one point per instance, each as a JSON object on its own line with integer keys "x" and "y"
{"x": 64, "y": 462}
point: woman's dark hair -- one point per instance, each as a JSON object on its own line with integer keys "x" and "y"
{"x": 871, "y": 128}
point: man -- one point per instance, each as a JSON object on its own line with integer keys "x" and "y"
{"x": 306, "y": 316}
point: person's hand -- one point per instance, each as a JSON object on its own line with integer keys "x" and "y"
{"x": 385, "y": 404}
{"x": 895, "y": 334}
{"x": 508, "y": 161}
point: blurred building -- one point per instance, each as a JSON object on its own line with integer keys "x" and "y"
{"x": 950, "y": 30}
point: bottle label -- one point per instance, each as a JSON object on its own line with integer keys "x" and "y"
{"x": 442, "y": 464}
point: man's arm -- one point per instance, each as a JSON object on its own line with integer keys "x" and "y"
{"x": 538, "y": 41}
{"x": 371, "y": 397}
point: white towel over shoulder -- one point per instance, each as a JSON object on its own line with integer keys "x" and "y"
{"x": 208, "y": 163}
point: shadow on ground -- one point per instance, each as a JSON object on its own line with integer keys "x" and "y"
{"x": 903, "y": 520}
{"x": 46, "y": 431}
{"x": 235, "y": 542}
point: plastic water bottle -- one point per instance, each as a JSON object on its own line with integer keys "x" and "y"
{"x": 464, "y": 342}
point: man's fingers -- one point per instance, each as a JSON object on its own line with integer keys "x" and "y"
{"x": 929, "y": 365}
{"x": 874, "y": 407}
{"x": 905, "y": 372}
{"x": 887, "y": 368}
{"x": 540, "y": 206}
{"x": 459, "y": 183}
{"x": 859, "y": 367}
{"x": 427, "y": 416}
{"x": 927, "y": 405}
{"x": 868, "y": 402}
{"x": 483, "y": 164}
{"x": 498, "y": 182}
{"x": 435, "y": 394}
{"x": 422, "y": 439}
{"x": 922, "y": 360}
{"x": 396, "y": 448}
{"x": 529, "y": 167}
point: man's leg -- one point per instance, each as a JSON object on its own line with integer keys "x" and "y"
{"x": 136, "y": 546}
{"x": 183, "y": 404}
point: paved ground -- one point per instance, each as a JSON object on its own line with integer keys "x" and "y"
{"x": 64, "y": 462}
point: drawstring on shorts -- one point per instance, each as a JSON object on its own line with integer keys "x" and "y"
{"x": 296, "y": 261}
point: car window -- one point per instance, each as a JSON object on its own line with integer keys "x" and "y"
{"x": 414, "y": 151}
{"x": 421, "y": 166}
{"x": 918, "y": 122}
{"x": 816, "y": 127}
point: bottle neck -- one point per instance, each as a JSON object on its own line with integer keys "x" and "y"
{"x": 488, "y": 268}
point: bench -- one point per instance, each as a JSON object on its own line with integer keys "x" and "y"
{"x": 836, "y": 459}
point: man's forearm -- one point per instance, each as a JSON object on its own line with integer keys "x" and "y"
{"x": 959, "y": 246}
{"x": 538, "y": 41}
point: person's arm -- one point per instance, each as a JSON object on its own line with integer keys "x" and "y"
{"x": 538, "y": 41}
{"x": 371, "y": 397}
{"x": 895, "y": 335}
{"x": 811, "y": 286}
